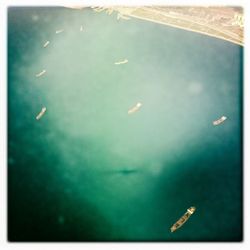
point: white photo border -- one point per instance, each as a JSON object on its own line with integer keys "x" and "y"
{"x": 4, "y": 244}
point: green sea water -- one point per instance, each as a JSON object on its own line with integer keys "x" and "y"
{"x": 88, "y": 171}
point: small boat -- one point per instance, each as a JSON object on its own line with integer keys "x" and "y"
{"x": 183, "y": 219}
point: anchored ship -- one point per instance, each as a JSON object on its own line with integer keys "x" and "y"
{"x": 183, "y": 219}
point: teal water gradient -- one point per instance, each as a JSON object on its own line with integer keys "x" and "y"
{"x": 87, "y": 171}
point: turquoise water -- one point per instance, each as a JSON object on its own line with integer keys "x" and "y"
{"x": 88, "y": 171}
